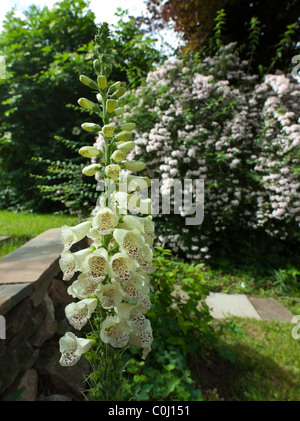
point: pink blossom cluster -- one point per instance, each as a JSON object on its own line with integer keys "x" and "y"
{"x": 209, "y": 119}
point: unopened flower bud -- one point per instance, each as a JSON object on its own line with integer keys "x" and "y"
{"x": 123, "y": 136}
{"x": 119, "y": 156}
{"x": 119, "y": 111}
{"x": 91, "y": 170}
{"x": 91, "y": 127}
{"x": 89, "y": 152}
{"x": 102, "y": 82}
{"x": 115, "y": 86}
{"x": 108, "y": 130}
{"x": 89, "y": 105}
{"x": 88, "y": 82}
{"x": 126, "y": 146}
{"x": 112, "y": 171}
{"x": 128, "y": 127}
{"x": 119, "y": 92}
{"x": 111, "y": 105}
{"x": 97, "y": 65}
{"x": 135, "y": 165}
{"x": 135, "y": 183}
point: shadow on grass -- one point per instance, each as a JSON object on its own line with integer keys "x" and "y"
{"x": 244, "y": 375}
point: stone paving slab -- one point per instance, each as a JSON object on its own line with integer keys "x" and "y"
{"x": 35, "y": 259}
{"x": 223, "y": 305}
{"x": 11, "y": 295}
{"x": 269, "y": 309}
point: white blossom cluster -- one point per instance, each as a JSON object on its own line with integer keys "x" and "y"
{"x": 212, "y": 120}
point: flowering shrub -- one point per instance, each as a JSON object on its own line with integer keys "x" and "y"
{"x": 112, "y": 289}
{"x": 209, "y": 119}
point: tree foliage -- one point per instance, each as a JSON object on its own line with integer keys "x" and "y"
{"x": 45, "y": 54}
{"x": 195, "y": 20}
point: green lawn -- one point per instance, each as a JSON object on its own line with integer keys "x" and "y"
{"x": 256, "y": 361}
{"x": 22, "y": 227}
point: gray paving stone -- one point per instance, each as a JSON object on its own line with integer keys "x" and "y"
{"x": 223, "y": 305}
{"x": 269, "y": 309}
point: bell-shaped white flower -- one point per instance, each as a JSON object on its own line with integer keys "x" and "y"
{"x": 121, "y": 198}
{"x": 110, "y": 295}
{"x": 70, "y": 262}
{"x": 79, "y": 313}
{"x": 144, "y": 224}
{"x": 122, "y": 267}
{"x": 84, "y": 287}
{"x": 95, "y": 266}
{"x": 132, "y": 314}
{"x": 115, "y": 332}
{"x": 94, "y": 235}
{"x": 142, "y": 338}
{"x": 71, "y": 235}
{"x": 145, "y": 302}
{"x": 105, "y": 221}
{"x": 135, "y": 290}
{"x": 133, "y": 203}
{"x": 134, "y": 222}
{"x": 72, "y": 348}
{"x": 130, "y": 242}
{"x": 145, "y": 259}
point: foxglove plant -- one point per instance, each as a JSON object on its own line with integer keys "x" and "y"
{"x": 112, "y": 287}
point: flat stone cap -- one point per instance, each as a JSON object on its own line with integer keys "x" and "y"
{"x": 23, "y": 270}
{"x": 27, "y": 263}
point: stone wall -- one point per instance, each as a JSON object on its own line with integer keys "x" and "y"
{"x": 32, "y": 301}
